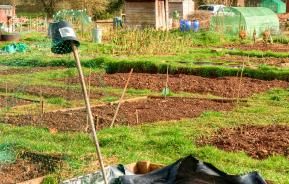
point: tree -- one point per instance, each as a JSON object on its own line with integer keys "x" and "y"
{"x": 49, "y": 6}
{"x": 93, "y": 5}
{"x": 90, "y": 5}
{"x": 112, "y": 7}
{"x": 115, "y": 6}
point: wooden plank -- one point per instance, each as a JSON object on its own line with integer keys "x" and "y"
{"x": 33, "y": 181}
{"x": 102, "y": 104}
{"x": 223, "y": 100}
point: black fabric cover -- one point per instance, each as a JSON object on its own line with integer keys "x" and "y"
{"x": 189, "y": 170}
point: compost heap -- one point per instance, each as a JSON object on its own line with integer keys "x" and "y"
{"x": 187, "y": 170}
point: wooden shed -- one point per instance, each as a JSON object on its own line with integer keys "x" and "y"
{"x": 5, "y": 12}
{"x": 146, "y": 13}
{"x": 184, "y": 7}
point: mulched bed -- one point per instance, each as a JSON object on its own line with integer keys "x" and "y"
{"x": 254, "y": 61}
{"x": 11, "y": 102}
{"x": 23, "y": 70}
{"x": 150, "y": 110}
{"x": 261, "y": 46}
{"x": 224, "y": 87}
{"x": 258, "y": 142}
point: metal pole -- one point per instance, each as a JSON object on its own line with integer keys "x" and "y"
{"x": 90, "y": 117}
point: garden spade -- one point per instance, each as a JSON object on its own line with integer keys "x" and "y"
{"x": 64, "y": 41}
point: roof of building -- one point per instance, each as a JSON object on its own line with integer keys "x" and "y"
{"x": 6, "y": 7}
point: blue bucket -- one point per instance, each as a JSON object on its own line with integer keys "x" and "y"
{"x": 185, "y": 25}
{"x": 196, "y": 25}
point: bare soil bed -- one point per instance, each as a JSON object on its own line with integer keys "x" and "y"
{"x": 224, "y": 87}
{"x": 48, "y": 92}
{"x": 147, "y": 111}
{"x": 20, "y": 171}
{"x": 11, "y": 102}
{"x": 27, "y": 167}
{"x": 257, "y": 141}
{"x": 261, "y": 46}
{"x": 254, "y": 61}
{"x": 13, "y": 71}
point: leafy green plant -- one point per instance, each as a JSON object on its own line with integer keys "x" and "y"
{"x": 275, "y": 98}
{"x": 176, "y": 15}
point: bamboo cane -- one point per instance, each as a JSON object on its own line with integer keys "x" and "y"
{"x": 240, "y": 83}
{"x": 121, "y": 98}
{"x": 6, "y": 95}
{"x": 136, "y": 114}
{"x": 87, "y": 119}
{"x": 89, "y": 112}
{"x": 167, "y": 81}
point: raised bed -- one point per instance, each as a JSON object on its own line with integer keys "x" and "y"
{"x": 28, "y": 167}
{"x": 49, "y": 92}
{"x": 257, "y": 141}
{"x": 261, "y": 46}
{"x": 224, "y": 87}
{"x": 23, "y": 70}
{"x": 232, "y": 60}
{"x": 131, "y": 113}
{"x": 7, "y": 101}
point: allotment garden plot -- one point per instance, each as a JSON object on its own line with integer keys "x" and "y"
{"x": 225, "y": 106}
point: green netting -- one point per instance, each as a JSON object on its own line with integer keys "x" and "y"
{"x": 7, "y": 154}
{"x": 234, "y": 19}
{"x": 277, "y": 6}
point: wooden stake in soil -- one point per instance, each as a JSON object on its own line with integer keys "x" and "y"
{"x": 241, "y": 77}
{"x": 97, "y": 122}
{"x": 41, "y": 104}
{"x": 136, "y": 114}
{"x": 6, "y": 95}
{"x": 167, "y": 81}
{"x": 121, "y": 98}
{"x": 89, "y": 112}
{"x": 87, "y": 119}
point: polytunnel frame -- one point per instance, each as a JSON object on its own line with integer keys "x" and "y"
{"x": 234, "y": 19}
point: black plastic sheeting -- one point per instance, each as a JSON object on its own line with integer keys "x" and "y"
{"x": 189, "y": 170}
